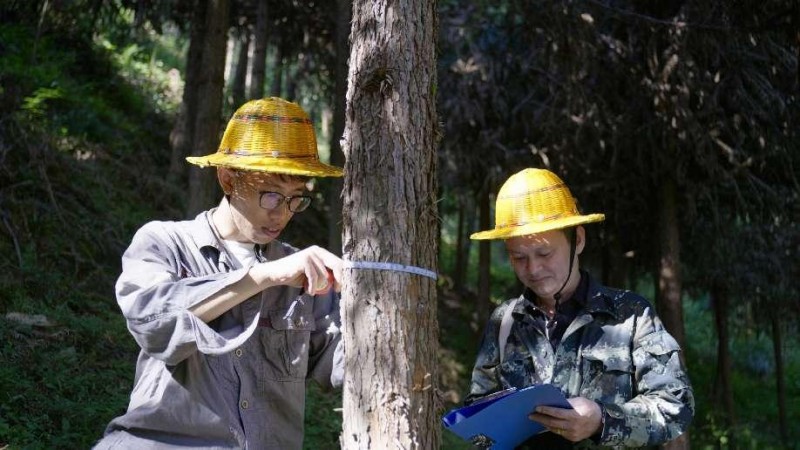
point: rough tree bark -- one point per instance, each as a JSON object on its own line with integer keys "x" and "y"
{"x": 390, "y": 214}
{"x": 210, "y": 85}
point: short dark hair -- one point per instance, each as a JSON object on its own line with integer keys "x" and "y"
{"x": 281, "y": 176}
{"x": 289, "y": 177}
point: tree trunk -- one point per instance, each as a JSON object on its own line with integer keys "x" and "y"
{"x": 390, "y": 215}
{"x": 484, "y": 257}
{"x": 460, "y": 264}
{"x": 302, "y": 65}
{"x": 780, "y": 381}
{"x": 723, "y": 386}
{"x": 614, "y": 263}
{"x": 277, "y": 75}
{"x": 797, "y": 39}
{"x": 344, "y": 10}
{"x": 240, "y": 72}
{"x": 210, "y": 85}
{"x": 669, "y": 270}
{"x": 259, "y": 64}
{"x": 180, "y": 137}
{"x": 669, "y": 278}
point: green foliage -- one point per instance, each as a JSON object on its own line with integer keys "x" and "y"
{"x": 67, "y": 177}
{"x": 753, "y": 385}
{"x": 141, "y": 66}
{"x": 503, "y": 281}
{"x": 60, "y": 384}
{"x": 458, "y": 347}
{"x": 323, "y": 418}
{"x": 80, "y": 150}
{"x": 34, "y": 105}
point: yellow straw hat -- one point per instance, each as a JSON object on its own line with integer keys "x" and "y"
{"x": 534, "y": 201}
{"x": 269, "y": 135}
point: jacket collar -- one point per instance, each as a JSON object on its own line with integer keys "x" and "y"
{"x": 205, "y": 236}
{"x": 599, "y": 299}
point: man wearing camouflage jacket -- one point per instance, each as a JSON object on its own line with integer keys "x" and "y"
{"x": 606, "y": 349}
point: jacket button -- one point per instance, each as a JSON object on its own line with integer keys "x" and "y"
{"x": 244, "y": 404}
{"x": 238, "y": 352}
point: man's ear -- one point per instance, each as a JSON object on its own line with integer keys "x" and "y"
{"x": 580, "y": 239}
{"x": 225, "y": 177}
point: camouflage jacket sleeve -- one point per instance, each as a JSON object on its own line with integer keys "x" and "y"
{"x": 663, "y": 402}
{"x": 484, "y": 374}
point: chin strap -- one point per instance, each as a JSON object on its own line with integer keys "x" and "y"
{"x": 572, "y": 246}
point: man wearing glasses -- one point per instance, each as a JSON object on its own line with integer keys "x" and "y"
{"x": 231, "y": 322}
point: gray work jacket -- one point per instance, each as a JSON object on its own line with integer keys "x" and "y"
{"x": 236, "y": 382}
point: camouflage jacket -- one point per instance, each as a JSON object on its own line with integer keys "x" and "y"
{"x": 616, "y": 352}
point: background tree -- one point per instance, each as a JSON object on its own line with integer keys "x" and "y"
{"x": 344, "y": 11}
{"x": 261, "y": 35}
{"x": 207, "y": 114}
{"x": 238, "y": 83}
{"x": 391, "y": 332}
{"x": 183, "y": 129}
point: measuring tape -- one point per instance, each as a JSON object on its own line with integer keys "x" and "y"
{"x": 371, "y": 265}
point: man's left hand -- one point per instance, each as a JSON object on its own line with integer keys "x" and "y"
{"x": 576, "y": 424}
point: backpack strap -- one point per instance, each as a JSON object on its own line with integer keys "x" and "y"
{"x": 505, "y": 328}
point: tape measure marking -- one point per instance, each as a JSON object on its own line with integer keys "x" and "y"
{"x": 372, "y": 265}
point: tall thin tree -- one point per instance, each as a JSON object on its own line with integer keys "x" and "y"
{"x": 238, "y": 84}
{"x": 258, "y": 65}
{"x": 207, "y": 120}
{"x": 344, "y": 11}
{"x": 182, "y": 132}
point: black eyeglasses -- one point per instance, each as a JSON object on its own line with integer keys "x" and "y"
{"x": 271, "y": 200}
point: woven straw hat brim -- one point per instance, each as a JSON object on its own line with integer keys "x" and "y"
{"x": 537, "y": 227}
{"x": 309, "y": 167}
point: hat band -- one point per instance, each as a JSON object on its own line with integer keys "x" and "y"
{"x": 522, "y": 224}
{"x": 268, "y": 154}
{"x": 271, "y": 118}
{"x": 534, "y": 191}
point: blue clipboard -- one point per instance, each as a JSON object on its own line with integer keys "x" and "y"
{"x": 500, "y": 420}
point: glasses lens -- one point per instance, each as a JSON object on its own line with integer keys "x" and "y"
{"x": 271, "y": 200}
{"x": 300, "y": 203}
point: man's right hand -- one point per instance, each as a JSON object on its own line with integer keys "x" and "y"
{"x": 314, "y": 268}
